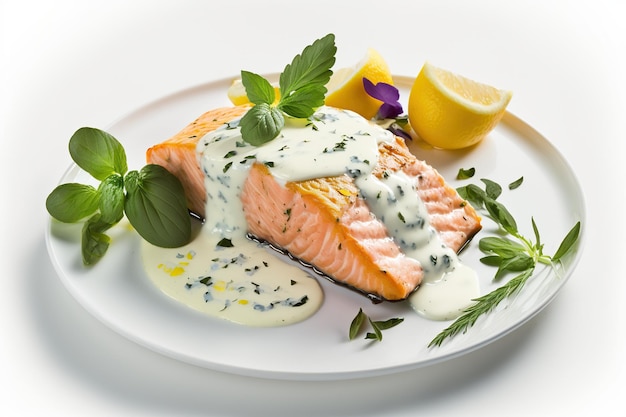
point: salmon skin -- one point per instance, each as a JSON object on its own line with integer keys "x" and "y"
{"x": 324, "y": 222}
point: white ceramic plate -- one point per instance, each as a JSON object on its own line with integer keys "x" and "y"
{"x": 118, "y": 293}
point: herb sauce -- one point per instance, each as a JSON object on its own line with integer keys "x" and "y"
{"x": 243, "y": 283}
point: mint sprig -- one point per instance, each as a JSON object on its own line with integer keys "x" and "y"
{"x": 302, "y": 86}
{"x": 153, "y": 199}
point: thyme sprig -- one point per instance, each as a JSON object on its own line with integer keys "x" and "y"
{"x": 513, "y": 253}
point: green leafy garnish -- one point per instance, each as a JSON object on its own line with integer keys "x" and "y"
{"x": 94, "y": 242}
{"x": 156, "y": 207}
{"x": 377, "y": 326}
{"x": 73, "y": 202}
{"x": 512, "y": 253}
{"x": 515, "y": 184}
{"x": 152, "y": 199}
{"x": 464, "y": 174}
{"x": 98, "y": 153}
{"x": 302, "y": 87}
{"x": 357, "y": 323}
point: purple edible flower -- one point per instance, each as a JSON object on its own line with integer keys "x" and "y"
{"x": 398, "y": 131}
{"x": 386, "y": 93}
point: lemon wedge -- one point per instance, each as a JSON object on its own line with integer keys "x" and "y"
{"x": 449, "y": 111}
{"x": 345, "y": 87}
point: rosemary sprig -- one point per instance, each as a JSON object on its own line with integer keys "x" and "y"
{"x": 513, "y": 253}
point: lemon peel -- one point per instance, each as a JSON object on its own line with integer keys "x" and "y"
{"x": 450, "y": 111}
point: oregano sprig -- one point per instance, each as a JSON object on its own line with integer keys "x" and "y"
{"x": 302, "y": 87}
{"x": 152, "y": 198}
{"x": 513, "y": 253}
{"x": 377, "y": 326}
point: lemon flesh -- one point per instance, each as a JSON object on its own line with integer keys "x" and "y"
{"x": 449, "y": 111}
{"x": 345, "y": 87}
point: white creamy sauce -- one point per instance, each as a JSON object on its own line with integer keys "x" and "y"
{"x": 448, "y": 286}
{"x": 445, "y": 297}
{"x": 244, "y": 283}
{"x": 239, "y": 283}
{"x": 332, "y": 143}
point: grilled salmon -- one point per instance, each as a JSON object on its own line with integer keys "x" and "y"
{"x": 325, "y": 221}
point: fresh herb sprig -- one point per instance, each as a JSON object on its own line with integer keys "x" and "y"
{"x": 152, "y": 198}
{"x": 302, "y": 87}
{"x": 377, "y": 326}
{"x": 513, "y": 253}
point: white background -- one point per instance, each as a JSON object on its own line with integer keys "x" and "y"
{"x": 67, "y": 64}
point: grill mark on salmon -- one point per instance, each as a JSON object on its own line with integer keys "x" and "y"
{"x": 323, "y": 221}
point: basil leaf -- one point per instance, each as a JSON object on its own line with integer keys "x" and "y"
{"x": 94, "y": 242}
{"x": 112, "y": 198}
{"x": 302, "y": 103}
{"x": 156, "y": 207}
{"x": 98, "y": 153}
{"x": 258, "y": 89}
{"x": 311, "y": 67}
{"x": 72, "y": 202}
{"x": 261, "y": 124}
{"x": 302, "y": 89}
{"x": 567, "y": 243}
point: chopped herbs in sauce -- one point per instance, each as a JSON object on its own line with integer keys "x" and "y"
{"x": 225, "y": 243}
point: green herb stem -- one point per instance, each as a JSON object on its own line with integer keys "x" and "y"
{"x": 517, "y": 254}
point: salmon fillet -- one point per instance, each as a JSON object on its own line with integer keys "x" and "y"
{"x": 323, "y": 221}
